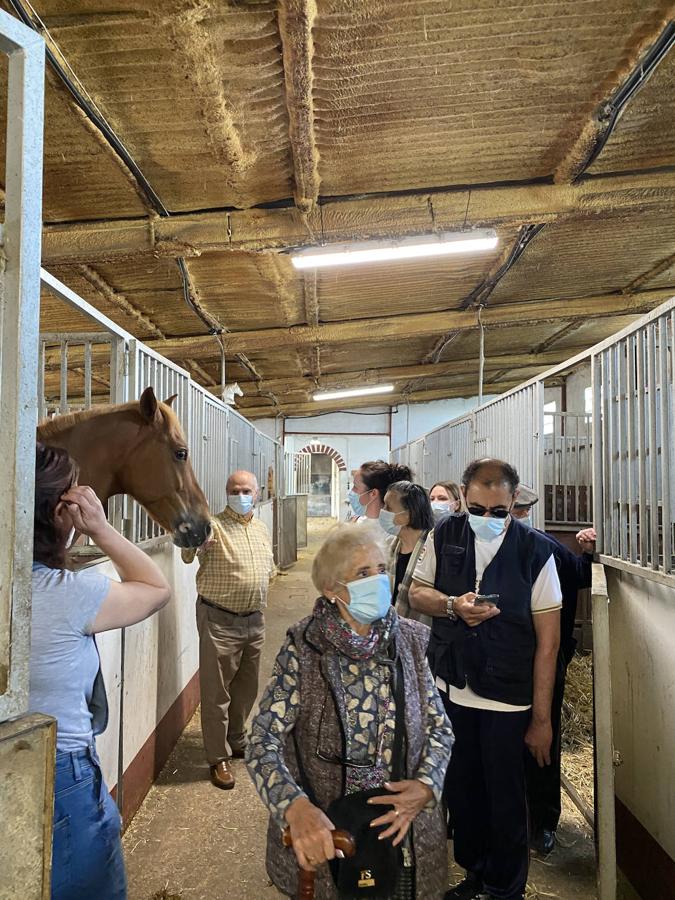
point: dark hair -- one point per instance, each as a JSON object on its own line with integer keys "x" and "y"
{"x": 450, "y": 487}
{"x": 55, "y": 473}
{"x": 415, "y": 501}
{"x": 491, "y": 471}
{"x": 378, "y": 475}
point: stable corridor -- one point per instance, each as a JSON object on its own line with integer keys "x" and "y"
{"x": 192, "y": 841}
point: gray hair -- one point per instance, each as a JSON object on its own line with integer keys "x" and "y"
{"x": 333, "y": 558}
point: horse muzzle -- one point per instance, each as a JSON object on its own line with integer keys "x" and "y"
{"x": 191, "y": 532}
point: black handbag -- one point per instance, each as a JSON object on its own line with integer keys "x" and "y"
{"x": 375, "y": 868}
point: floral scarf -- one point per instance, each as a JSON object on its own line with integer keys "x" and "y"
{"x": 347, "y": 642}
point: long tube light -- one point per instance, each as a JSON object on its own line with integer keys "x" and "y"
{"x": 446, "y": 243}
{"x": 355, "y": 392}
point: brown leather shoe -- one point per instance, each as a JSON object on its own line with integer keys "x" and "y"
{"x": 221, "y": 775}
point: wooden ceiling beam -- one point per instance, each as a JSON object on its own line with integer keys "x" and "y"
{"x": 463, "y": 389}
{"x": 191, "y": 234}
{"x": 450, "y": 368}
{"x": 535, "y": 312}
{"x": 296, "y": 21}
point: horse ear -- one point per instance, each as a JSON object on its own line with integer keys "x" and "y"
{"x": 148, "y": 405}
{"x": 170, "y": 400}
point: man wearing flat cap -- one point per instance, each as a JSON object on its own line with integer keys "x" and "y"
{"x": 574, "y": 572}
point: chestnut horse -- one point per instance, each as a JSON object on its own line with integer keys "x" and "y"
{"x": 137, "y": 449}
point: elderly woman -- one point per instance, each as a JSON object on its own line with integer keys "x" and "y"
{"x": 328, "y": 728}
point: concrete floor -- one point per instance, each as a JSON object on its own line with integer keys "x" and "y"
{"x": 192, "y": 841}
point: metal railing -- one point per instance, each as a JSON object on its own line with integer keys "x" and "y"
{"x": 612, "y": 468}
{"x": 634, "y": 447}
{"x": 298, "y": 472}
{"x": 81, "y": 370}
{"x": 568, "y": 469}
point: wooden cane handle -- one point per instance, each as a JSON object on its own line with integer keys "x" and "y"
{"x": 342, "y": 840}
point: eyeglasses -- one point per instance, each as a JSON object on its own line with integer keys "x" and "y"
{"x": 496, "y": 513}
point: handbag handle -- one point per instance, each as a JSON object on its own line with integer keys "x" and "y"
{"x": 342, "y": 840}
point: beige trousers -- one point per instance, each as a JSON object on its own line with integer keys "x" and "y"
{"x": 229, "y": 662}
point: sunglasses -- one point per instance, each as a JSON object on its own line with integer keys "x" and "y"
{"x": 497, "y": 513}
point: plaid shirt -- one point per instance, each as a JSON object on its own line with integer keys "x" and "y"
{"x": 235, "y": 571}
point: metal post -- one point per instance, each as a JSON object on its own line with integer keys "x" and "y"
{"x": 666, "y": 436}
{"x": 650, "y": 337}
{"x": 598, "y": 498}
{"x": 19, "y": 327}
{"x": 642, "y": 451}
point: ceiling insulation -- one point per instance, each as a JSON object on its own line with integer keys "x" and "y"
{"x": 266, "y": 126}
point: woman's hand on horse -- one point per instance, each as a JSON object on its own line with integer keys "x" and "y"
{"x": 311, "y": 833}
{"x": 408, "y": 799}
{"x": 86, "y": 510}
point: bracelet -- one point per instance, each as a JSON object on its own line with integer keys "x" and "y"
{"x": 450, "y": 608}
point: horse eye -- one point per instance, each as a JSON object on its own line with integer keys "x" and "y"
{"x": 181, "y": 454}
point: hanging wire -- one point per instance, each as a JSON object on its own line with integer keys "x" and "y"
{"x": 481, "y": 355}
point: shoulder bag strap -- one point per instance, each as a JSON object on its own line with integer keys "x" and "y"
{"x": 397, "y": 760}
{"x": 402, "y": 605}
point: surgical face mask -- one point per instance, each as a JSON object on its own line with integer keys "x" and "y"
{"x": 369, "y": 598}
{"x": 386, "y": 520}
{"x": 355, "y": 502}
{"x": 441, "y": 506}
{"x": 487, "y": 528}
{"x": 526, "y": 520}
{"x": 240, "y": 503}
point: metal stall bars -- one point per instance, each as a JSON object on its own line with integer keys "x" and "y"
{"x": 634, "y": 446}
{"x": 19, "y": 325}
{"x": 568, "y": 469}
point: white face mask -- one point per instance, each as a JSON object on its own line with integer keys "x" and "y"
{"x": 386, "y": 520}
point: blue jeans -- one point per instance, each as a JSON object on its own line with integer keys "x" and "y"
{"x": 87, "y": 860}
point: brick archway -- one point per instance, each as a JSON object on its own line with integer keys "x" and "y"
{"x": 316, "y": 447}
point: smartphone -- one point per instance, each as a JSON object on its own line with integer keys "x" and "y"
{"x": 486, "y": 599}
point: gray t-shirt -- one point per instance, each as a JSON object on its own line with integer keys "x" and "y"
{"x": 64, "y": 660}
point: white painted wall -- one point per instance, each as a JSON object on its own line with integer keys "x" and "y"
{"x": 413, "y": 420}
{"x": 642, "y": 630}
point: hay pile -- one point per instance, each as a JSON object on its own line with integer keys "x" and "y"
{"x": 577, "y": 727}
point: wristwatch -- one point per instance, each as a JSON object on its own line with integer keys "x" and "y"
{"x": 450, "y": 608}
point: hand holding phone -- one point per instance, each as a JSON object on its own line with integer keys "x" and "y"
{"x": 486, "y": 599}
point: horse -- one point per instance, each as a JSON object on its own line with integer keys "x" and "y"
{"x": 138, "y": 449}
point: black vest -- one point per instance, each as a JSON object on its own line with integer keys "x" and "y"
{"x": 496, "y": 657}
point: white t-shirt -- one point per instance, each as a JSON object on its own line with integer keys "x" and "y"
{"x": 546, "y": 596}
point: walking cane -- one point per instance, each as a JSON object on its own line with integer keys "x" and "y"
{"x": 342, "y": 840}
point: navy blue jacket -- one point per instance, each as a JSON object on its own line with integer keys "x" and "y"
{"x": 575, "y": 573}
{"x": 496, "y": 657}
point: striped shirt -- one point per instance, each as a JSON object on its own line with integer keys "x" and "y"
{"x": 235, "y": 572}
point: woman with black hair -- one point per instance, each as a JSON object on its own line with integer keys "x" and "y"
{"x": 69, "y": 608}
{"x": 406, "y": 516}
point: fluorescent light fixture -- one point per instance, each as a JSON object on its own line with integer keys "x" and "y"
{"x": 356, "y": 392}
{"x": 447, "y": 243}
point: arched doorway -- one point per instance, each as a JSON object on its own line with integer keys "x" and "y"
{"x": 325, "y": 489}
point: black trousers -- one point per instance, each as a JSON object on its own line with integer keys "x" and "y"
{"x": 485, "y": 790}
{"x": 543, "y": 784}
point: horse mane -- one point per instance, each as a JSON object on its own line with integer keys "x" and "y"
{"x": 51, "y": 427}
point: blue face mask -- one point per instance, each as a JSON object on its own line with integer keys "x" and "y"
{"x": 355, "y": 502}
{"x": 487, "y": 528}
{"x": 369, "y": 598}
{"x": 386, "y": 520}
{"x": 526, "y": 520}
{"x": 240, "y": 503}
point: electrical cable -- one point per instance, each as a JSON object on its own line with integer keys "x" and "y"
{"x": 481, "y": 355}
{"x": 611, "y": 111}
{"x": 479, "y": 296}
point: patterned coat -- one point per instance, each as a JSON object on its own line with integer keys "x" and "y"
{"x": 318, "y": 725}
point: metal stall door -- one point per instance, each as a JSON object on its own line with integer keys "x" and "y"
{"x": 26, "y": 741}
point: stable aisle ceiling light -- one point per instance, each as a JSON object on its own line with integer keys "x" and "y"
{"x": 445, "y": 243}
{"x": 355, "y": 392}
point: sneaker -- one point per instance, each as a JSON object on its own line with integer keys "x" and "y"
{"x": 469, "y": 889}
{"x": 543, "y": 842}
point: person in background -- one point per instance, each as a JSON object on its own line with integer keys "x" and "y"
{"x": 326, "y": 724}
{"x": 407, "y": 517}
{"x": 574, "y": 572}
{"x": 492, "y": 588}
{"x": 371, "y": 482}
{"x": 68, "y": 609}
{"x": 235, "y": 568}
{"x": 445, "y": 497}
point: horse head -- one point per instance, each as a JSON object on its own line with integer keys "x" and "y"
{"x": 157, "y": 472}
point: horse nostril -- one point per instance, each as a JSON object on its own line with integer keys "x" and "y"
{"x": 184, "y": 528}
